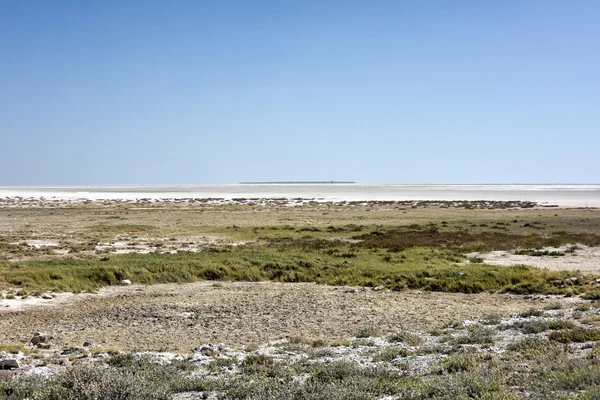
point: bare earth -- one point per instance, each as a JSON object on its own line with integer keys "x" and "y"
{"x": 584, "y": 259}
{"x": 180, "y": 317}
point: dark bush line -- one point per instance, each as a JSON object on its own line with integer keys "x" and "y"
{"x": 467, "y": 241}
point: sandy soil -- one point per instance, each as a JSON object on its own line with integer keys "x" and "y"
{"x": 180, "y": 317}
{"x": 584, "y": 259}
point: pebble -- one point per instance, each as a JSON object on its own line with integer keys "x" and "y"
{"x": 8, "y": 363}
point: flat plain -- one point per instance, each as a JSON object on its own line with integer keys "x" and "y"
{"x": 172, "y": 276}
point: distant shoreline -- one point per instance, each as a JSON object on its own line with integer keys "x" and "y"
{"x": 561, "y": 195}
{"x": 296, "y": 183}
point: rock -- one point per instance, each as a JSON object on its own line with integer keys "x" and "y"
{"x": 597, "y": 280}
{"x": 557, "y": 282}
{"x": 574, "y": 280}
{"x": 46, "y": 296}
{"x": 69, "y": 351}
{"x": 126, "y": 282}
{"x": 9, "y": 363}
{"x": 461, "y": 274}
{"x": 210, "y": 348}
{"x": 40, "y": 370}
{"x": 203, "y": 349}
{"x": 39, "y": 338}
{"x": 87, "y": 344}
{"x": 378, "y": 288}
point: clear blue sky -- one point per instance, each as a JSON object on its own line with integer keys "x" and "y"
{"x": 118, "y": 92}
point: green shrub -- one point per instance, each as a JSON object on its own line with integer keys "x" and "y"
{"x": 219, "y": 363}
{"x": 261, "y": 365}
{"x": 532, "y": 312}
{"x": 95, "y": 382}
{"x": 388, "y": 354}
{"x": 532, "y": 347}
{"x": 583, "y": 307}
{"x": 491, "y": 319}
{"x": 593, "y": 295}
{"x": 459, "y": 362}
{"x": 366, "y": 331}
{"x": 553, "y": 306}
{"x": 405, "y": 337}
{"x": 576, "y": 334}
{"x": 479, "y": 335}
{"x": 14, "y": 348}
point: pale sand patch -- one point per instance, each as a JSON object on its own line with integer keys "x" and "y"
{"x": 38, "y": 243}
{"x": 19, "y": 303}
{"x": 585, "y": 259}
{"x": 180, "y": 317}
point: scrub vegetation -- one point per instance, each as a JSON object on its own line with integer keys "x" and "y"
{"x": 535, "y": 353}
{"x": 421, "y": 253}
{"x": 459, "y": 364}
{"x": 328, "y": 263}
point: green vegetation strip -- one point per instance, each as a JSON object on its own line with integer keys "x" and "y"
{"x": 413, "y": 268}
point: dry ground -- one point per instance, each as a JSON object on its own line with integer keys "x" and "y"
{"x": 180, "y": 317}
{"x": 584, "y": 259}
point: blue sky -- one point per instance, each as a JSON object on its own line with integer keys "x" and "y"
{"x": 143, "y": 92}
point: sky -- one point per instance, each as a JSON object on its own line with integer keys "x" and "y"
{"x": 211, "y": 92}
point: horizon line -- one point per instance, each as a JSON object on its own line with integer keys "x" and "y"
{"x": 290, "y": 182}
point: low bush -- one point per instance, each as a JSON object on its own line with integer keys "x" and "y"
{"x": 576, "y": 334}
{"x": 532, "y": 312}
{"x": 405, "y": 337}
{"x": 459, "y": 362}
{"x": 132, "y": 380}
{"x": 388, "y": 354}
{"x": 365, "y": 332}
{"x": 479, "y": 335}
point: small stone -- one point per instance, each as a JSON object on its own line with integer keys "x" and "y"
{"x": 39, "y": 338}
{"x": 9, "y": 363}
{"x": 210, "y": 348}
{"x": 87, "y": 344}
{"x": 69, "y": 351}
{"x": 573, "y": 279}
{"x": 46, "y": 297}
{"x": 126, "y": 282}
{"x": 202, "y": 349}
{"x": 378, "y": 288}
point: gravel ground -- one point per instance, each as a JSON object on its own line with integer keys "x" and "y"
{"x": 179, "y": 317}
